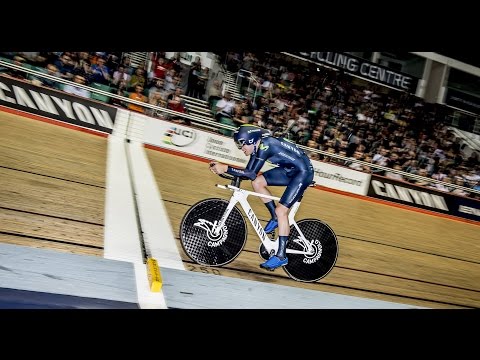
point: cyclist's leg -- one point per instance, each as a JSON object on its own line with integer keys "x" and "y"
{"x": 273, "y": 177}
{"x": 295, "y": 189}
{"x": 260, "y": 186}
{"x": 297, "y": 186}
{"x": 299, "y": 181}
{"x": 279, "y": 177}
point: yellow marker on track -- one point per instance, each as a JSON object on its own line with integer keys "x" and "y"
{"x": 154, "y": 276}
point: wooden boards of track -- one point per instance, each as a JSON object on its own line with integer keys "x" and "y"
{"x": 53, "y": 186}
{"x": 385, "y": 252}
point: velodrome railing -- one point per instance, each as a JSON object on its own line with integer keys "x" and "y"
{"x": 215, "y": 126}
{"x": 242, "y": 73}
{"x": 211, "y": 124}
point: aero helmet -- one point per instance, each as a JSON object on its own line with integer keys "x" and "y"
{"x": 247, "y": 135}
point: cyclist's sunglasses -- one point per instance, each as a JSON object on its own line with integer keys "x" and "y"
{"x": 240, "y": 143}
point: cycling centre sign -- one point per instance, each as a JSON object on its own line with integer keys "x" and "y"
{"x": 363, "y": 68}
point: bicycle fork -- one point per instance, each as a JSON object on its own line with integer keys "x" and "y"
{"x": 218, "y": 225}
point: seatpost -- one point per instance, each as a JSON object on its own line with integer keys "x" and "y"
{"x": 236, "y": 181}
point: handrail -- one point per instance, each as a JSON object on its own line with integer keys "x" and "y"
{"x": 119, "y": 97}
{"x": 251, "y": 78}
{"x": 403, "y": 173}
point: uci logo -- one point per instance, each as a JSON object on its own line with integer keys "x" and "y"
{"x": 179, "y": 137}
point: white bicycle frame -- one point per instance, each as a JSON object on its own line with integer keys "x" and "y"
{"x": 240, "y": 196}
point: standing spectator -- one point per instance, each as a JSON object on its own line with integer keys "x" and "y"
{"x": 214, "y": 94}
{"x": 193, "y": 74}
{"x": 202, "y": 83}
{"x": 175, "y": 63}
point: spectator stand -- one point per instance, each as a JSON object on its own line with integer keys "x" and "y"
{"x": 214, "y": 126}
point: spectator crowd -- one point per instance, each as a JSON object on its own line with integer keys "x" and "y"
{"x": 317, "y": 107}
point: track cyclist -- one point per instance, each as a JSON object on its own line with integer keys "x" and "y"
{"x": 294, "y": 170}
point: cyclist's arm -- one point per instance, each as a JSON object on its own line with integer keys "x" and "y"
{"x": 253, "y": 168}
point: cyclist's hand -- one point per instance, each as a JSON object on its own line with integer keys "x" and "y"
{"x": 218, "y": 168}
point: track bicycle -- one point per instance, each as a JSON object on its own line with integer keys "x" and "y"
{"x": 213, "y": 232}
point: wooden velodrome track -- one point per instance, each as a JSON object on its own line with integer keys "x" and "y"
{"x": 52, "y": 196}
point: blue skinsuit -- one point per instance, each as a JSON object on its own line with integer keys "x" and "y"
{"x": 295, "y": 171}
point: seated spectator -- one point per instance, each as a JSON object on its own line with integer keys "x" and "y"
{"x": 422, "y": 182}
{"x": 82, "y": 65}
{"x": 137, "y": 78}
{"x": 137, "y": 95}
{"x": 170, "y": 81}
{"x": 394, "y": 175}
{"x": 459, "y": 192}
{"x": 154, "y": 98}
{"x": 121, "y": 90}
{"x": 381, "y": 158}
{"x": 71, "y": 89}
{"x": 127, "y": 65}
{"x": 472, "y": 160}
{"x": 120, "y": 74}
{"x": 327, "y": 158}
{"x": 175, "y": 102}
{"x": 239, "y": 117}
{"x": 100, "y": 72}
{"x": 19, "y": 61}
{"x": 357, "y": 155}
{"x": 156, "y": 86}
{"x": 441, "y": 186}
{"x": 224, "y": 107}
{"x": 65, "y": 66}
{"x": 367, "y": 159}
{"x": 159, "y": 69}
{"x": 472, "y": 178}
{"x": 314, "y": 156}
{"x": 40, "y": 80}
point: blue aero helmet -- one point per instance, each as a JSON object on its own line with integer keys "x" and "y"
{"x": 248, "y": 135}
